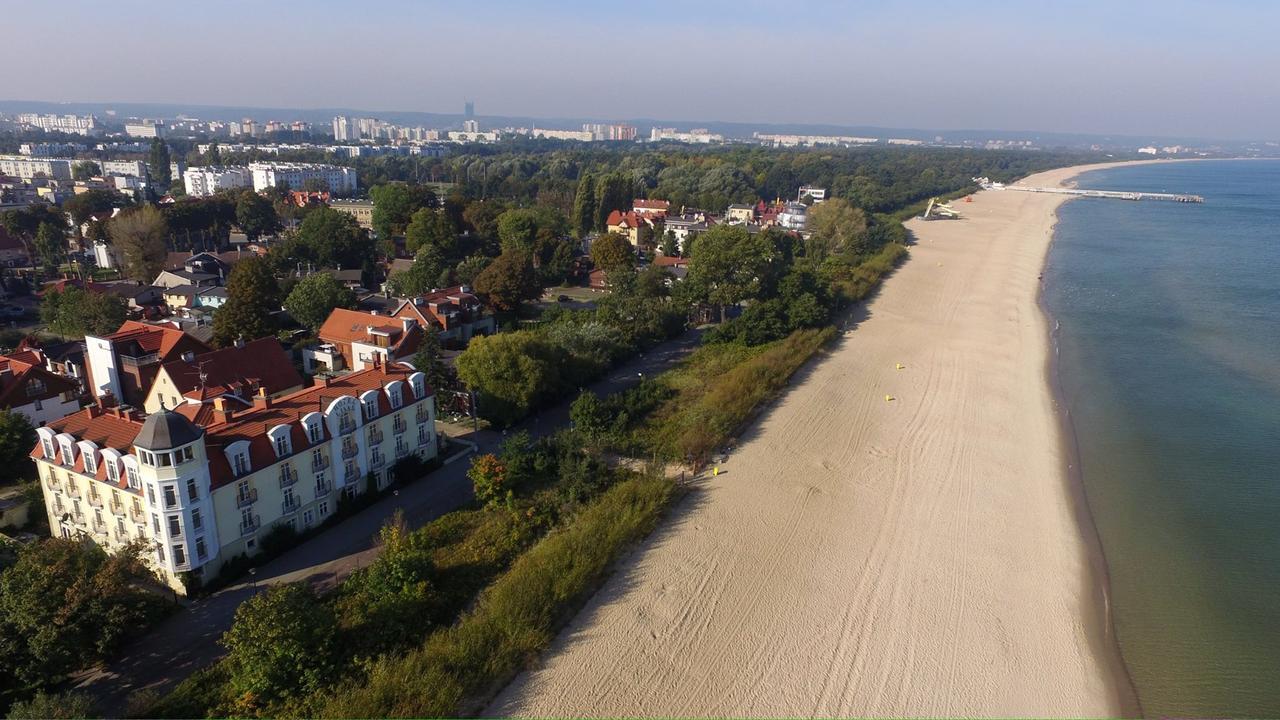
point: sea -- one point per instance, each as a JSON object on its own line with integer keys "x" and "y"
{"x": 1167, "y": 324}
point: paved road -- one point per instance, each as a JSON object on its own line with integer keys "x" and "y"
{"x": 188, "y": 640}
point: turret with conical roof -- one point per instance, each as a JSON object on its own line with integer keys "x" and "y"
{"x": 165, "y": 430}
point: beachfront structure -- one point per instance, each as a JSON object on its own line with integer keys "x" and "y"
{"x": 199, "y": 493}
{"x": 336, "y": 179}
{"x": 201, "y": 181}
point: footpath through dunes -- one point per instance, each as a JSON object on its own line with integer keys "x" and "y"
{"x": 866, "y": 556}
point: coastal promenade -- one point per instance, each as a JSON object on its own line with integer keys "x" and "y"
{"x": 897, "y": 536}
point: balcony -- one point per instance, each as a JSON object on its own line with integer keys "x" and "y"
{"x": 52, "y": 484}
{"x": 350, "y": 475}
{"x": 139, "y": 360}
{"x": 346, "y": 425}
{"x": 402, "y": 451}
{"x": 77, "y": 518}
{"x": 376, "y": 462}
{"x": 398, "y": 425}
{"x": 99, "y": 527}
{"x": 288, "y": 478}
{"x": 248, "y": 527}
{"x": 136, "y": 514}
{"x": 95, "y": 499}
{"x": 375, "y": 436}
{"x": 422, "y": 414}
{"x": 117, "y": 508}
{"x": 245, "y": 499}
{"x": 321, "y": 465}
{"x": 74, "y": 490}
{"x": 323, "y": 488}
{"x": 290, "y": 505}
{"x": 349, "y": 451}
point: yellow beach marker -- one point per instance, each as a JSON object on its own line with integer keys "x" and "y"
{"x": 888, "y": 398}
{"x": 715, "y": 471}
{"x": 900, "y": 366}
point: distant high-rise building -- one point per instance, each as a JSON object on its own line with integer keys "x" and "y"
{"x": 471, "y": 126}
{"x": 470, "y": 110}
{"x": 344, "y": 129}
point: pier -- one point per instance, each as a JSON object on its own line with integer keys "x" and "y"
{"x": 1115, "y": 194}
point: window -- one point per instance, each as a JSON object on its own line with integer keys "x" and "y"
{"x": 90, "y": 463}
{"x": 313, "y": 430}
{"x": 151, "y": 494}
{"x": 146, "y": 458}
{"x": 48, "y": 448}
{"x": 163, "y": 460}
{"x": 201, "y": 552}
{"x": 394, "y": 394}
{"x": 186, "y": 455}
{"x": 120, "y": 531}
{"x": 132, "y": 474}
{"x": 113, "y": 471}
{"x": 193, "y": 493}
{"x": 424, "y": 435}
{"x": 370, "y": 410}
{"x": 282, "y": 446}
{"x": 323, "y": 508}
{"x": 197, "y": 523}
{"x": 155, "y": 523}
{"x": 179, "y": 555}
{"x": 317, "y": 459}
{"x": 241, "y": 464}
{"x": 175, "y": 526}
{"x": 137, "y": 507}
{"x": 68, "y": 455}
{"x": 308, "y": 517}
{"x": 170, "y": 496}
{"x": 160, "y": 554}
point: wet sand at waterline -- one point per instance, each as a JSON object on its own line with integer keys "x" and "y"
{"x": 920, "y": 556}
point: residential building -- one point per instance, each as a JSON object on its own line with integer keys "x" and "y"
{"x": 12, "y": 252}
{"x": 74, "y": 124}
{"x": 809, "y": 191}
{"x": 793, "y": 216}
{"x": 470, "y": 137}
{"x": 177, "y": 278}
{"x": 361, "y": 210}
{"x": 239, "y": 371}
{"x": 204, "y": 483}
{"x": 344, "y": 129}
{"x": 581, "y": 135}
{"x": 686, "y": 225}
{"x": 616, "y": 131}
{"x": 354, "y": 340}
{"x": 29, "y": 168}
{"x": 470, "y": 126}
{"x": 144, "y": 128}
{"x": 653, "y": 208}
{"x": 697, "y": 135}
{"x": 739, "y": 214}
{"x": 455, "y": 312}
{"x": 125, "y": 363}
{"x": 635, "y": 227}
{"x": 336, "y": 179}
{"x": 126, "y": 168}
{"x": 201, "y": 181}
{"x": 33, "y": 391}
{"x": 50, "y": 149}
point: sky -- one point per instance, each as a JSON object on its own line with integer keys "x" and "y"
{"x": 1174, "y": 68}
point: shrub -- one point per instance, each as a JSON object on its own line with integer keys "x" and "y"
{"x": 52, "y": 705}
{"x": 277, "y": 540}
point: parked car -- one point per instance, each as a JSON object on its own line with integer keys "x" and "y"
{"x": 563, "y": 298}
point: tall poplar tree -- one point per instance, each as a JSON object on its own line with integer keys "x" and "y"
{"x": 161, "y": 176}
{"x": 584, "y": 206}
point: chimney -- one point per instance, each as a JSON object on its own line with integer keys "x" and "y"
{"x": 320, "y": 381}
{"x": 261, "y": 401}
{"x": 107, "y": 400}
{"x": 222, "y": 409}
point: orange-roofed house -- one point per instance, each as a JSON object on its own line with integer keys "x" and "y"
{"x": 203, "y": 483}
{"x": 354, "y": 340}
{"x": 655, "y": 208}
{"x": 242, "y": 370}
{"x": 31, "y": 390}
{"x": 124, "y": 363}
{"x": 455, "y": 312}
{"x": 634, "y": 226}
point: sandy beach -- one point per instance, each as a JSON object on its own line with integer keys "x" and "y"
{"x": 924, "y": 555}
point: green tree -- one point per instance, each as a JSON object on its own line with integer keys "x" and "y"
{"x": 102, "y": 601}
{"x": 517, "y": 229}
{"x": 613, "y": 253}
{"x": 488, "y": 478}
{"x": 140, "y": 236}
{"x": 391, "y": 600}
{"x": 423, "y": 275}
{"x": 85, "y": 169}
{"x": 91, "y": 202}
{"x": 158, "y": 164}
{"x": 74, "y": 312}
{"x": 430, "y": 228}
{"x": 394, "y": 205}
{"x": 315, "y": 296}
{"x": 512, "y": 372}
{"x": 614, "y": 192}
{"x": 215, "y": 154}
{"x": 333, "y": 239}
{"x": 430, "y": 361}
{"x": 17, "y": 437}
{"x": 468, "y": 270}
{"x": 730, "y": 265}
{"x": 50, "y": 247}
{"x": 584, "y": 206}
{"x": 282, "y": 645}
{"x": 670, "y": 245}
{"x": 590, "y": 416}
{"x": 256, "y": 216}
{"x": 252, "y": 297}
{"x": 53, "y": 706}
{"x": 25, "y": 224}
{"x": 509, "y": 281}
{"x": 836, "y": 228}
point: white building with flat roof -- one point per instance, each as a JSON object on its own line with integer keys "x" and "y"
{"x": 128, "y": 168}
{"x": 697, "y": 135}
{"x": 201, "y": 181}
{"x": 27, "y": 168}
{"x": 339, "y": 180}
{"x": 144, "y": 128}
{"x": 75, "y": 124}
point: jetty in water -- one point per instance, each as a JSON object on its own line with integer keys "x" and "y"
{"x": 1115, "y": 194}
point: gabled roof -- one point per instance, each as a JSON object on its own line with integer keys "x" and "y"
{"x": 262, "y": 363}
{"x": 160, "y": 339}
{"x": 18, "y": 369}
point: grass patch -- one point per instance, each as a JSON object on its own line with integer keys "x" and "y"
{"x": 458, "y": 669}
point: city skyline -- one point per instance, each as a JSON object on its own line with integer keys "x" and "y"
{"x": 1087, "y": 69}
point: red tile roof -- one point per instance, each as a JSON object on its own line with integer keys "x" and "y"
{"x": 19, "y": 369}
{"x": 236, "y": 370}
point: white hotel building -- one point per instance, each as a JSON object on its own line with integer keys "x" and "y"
{"x": 340, "y": 180}
{"x": 203, "y": 484}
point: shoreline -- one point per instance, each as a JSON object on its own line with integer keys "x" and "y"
{"x": 865, "y": 550}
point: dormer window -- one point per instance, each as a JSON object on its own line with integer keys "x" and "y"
{"x": 113, "y": 471}
{"x": 418, "y": 388}
{"x": 131, "y": 473}
{"x": 90, "y": 464}
{"x": 48, "y": 448}
{"x": 240, "y": 464}
{"x": 313, "y": 431}
{"x": 68, "y": 455}
{"x": 370, "y": 409}
{"x": 282, "y": 446}
{"x": 394, "y": 395}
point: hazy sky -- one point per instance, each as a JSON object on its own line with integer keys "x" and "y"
{"x": 1114, "y": 66}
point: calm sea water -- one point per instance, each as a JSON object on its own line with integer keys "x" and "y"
{"x": 1170, "y": 365}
